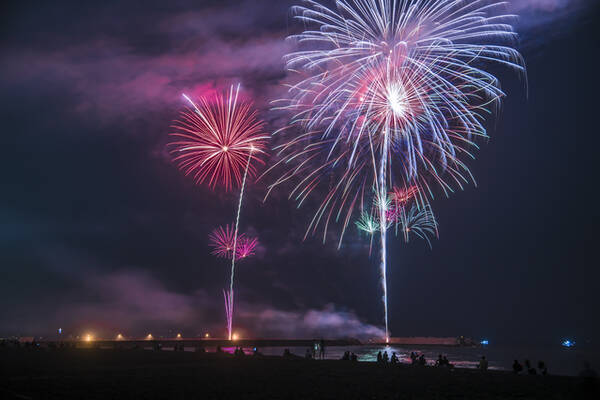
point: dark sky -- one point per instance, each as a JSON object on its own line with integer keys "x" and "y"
{"x": 100, "y": 232}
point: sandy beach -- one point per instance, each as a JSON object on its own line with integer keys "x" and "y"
{"x": 142, "y": 374}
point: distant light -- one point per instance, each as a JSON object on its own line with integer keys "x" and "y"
{"x": 89, "y": 337}
{"x": 485, "y": 342}
{"x": 119, "y": 337}
{"x": 59, "y": 331}
{"x": 235, "y": 336}
{"x": 207, "y": 335}
{"x": 568, "y": 343}
{"x": 179, "y": 336}
{"x": 149, "y": 337}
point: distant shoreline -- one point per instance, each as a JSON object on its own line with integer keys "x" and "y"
{"x": 258, "y": 342}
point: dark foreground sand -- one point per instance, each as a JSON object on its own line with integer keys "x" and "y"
{"x": 143, "y": 374}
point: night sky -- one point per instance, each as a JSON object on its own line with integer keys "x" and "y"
{"x": 99, "y": 231}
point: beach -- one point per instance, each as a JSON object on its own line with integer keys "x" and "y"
{"x": 144, "y": 374}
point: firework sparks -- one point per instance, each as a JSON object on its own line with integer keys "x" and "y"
{"x": 246, "y": 246}
{"x": 221, "y": 240}
{"x": 215, "y": 137}
{"x": 390, "y": 93}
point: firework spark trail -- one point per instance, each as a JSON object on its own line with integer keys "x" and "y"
{"x": 383, "y": 205}
{"x": 234, "y": 252}
{"x": 228, "y": 295}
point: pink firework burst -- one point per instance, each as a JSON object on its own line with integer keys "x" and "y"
{"x": 217, "y": 138}
{"x": 246, "y": 246}
{"x": 221, "y": 240}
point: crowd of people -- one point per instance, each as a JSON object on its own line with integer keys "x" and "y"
{"x": 518, "y": 368}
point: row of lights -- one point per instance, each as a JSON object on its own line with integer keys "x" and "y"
{"x": 89, "y": 337}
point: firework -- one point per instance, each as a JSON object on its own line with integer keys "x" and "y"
{"x": 419, "y": 221}
{"x": 246, "y": 246}
{"x": 217, "y": 141}
{"x": 221, "y": 240}
{"x": 389, "y": 93}
{"x": 368, "y": 223}
{"x": 215, "y": 137}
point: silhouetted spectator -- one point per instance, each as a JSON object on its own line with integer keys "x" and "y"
{"x": 422, "y": 360}
{"x": 353, "y": 357}
{"x": 322, "y": 349}
{"x": 542, "y": 367}
{"x": 590, "y": 380}
{"x": 385, "y": 357}
{"x": 287, "y": 353}
{"x": 394, "y": 359}
{"x": 379, "y": 357}
{"x": 440, "y": 361}
{"x": 483, "y": 364}
{"x": 413, "y": 357}
{"x": 530, "y": 369}
{"x": 346, "y": 356}
{"x": 308, "y": 354}
{"x": 517, "y": 367}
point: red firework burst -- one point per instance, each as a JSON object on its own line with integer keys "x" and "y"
{"x": 217, "y": 138}
{"x": 402, "y": 195}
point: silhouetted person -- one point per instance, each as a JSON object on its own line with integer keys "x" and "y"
{"x": 542, "y": 367}
{"x": 394, "y": 359}
{"x": 219, "y": 350}
{"x": 346, "y": 356}
{"x": 590, "y": 380}
{"x": 308, "y": 354}
{"x": 413, "y": 357}
{"x": 322, "y": 349}
{"x": 353, "y": 357}
{"x": 530, "y": 369}
{"x": 385, "y": 357}
{"x": 483, "y": 364}
{"x": 422, "y": 360}
{"x": 440, "y": 361}
{"x": 379, "y": 357}
{"x": 517, "y": 367}
{"x": 286, "y": 353}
